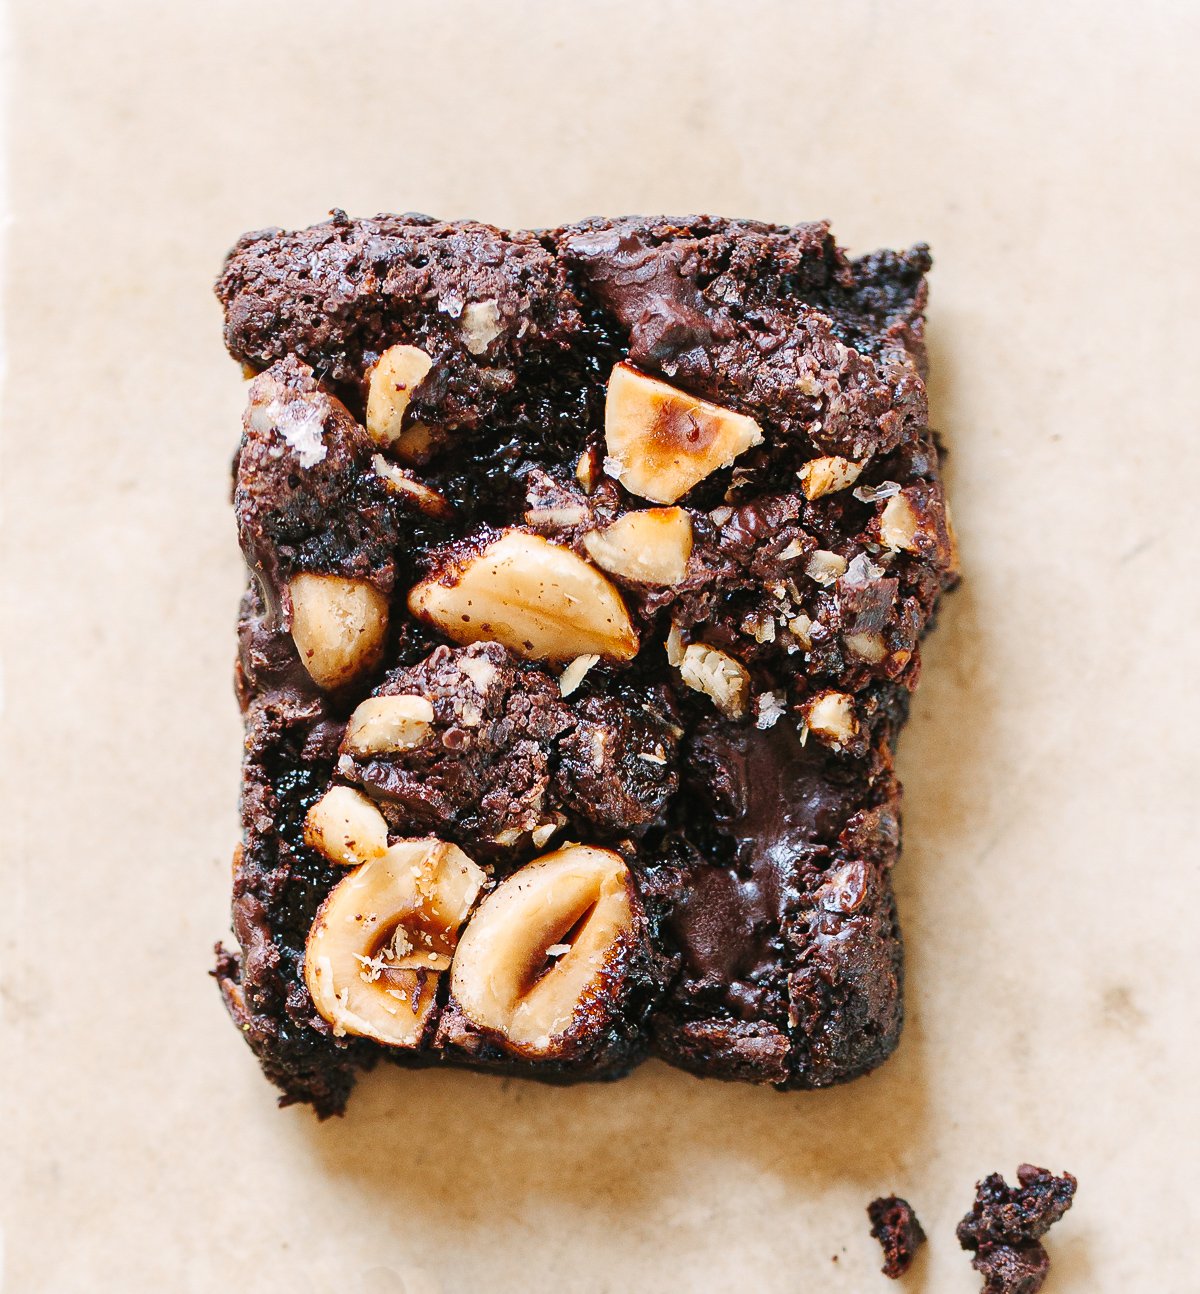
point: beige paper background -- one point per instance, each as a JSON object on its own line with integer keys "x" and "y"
{"x": 1049, "y": 883}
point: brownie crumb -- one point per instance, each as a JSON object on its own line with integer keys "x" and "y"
{"x": 894, "y": 1224}
{"x": 1006, "y": 1224}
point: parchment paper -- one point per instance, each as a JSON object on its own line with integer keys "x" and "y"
{"x": 1049, "y": 881}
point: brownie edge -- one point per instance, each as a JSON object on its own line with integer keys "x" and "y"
{"x": 588, "y": 575}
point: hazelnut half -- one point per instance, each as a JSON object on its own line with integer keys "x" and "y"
{"x": 390, "y": 385}
{"x": 541, "y": 963}
{"x": 384, "y": 935}
{"x": 651, "y": 546}
{"x": 338, "y": 626}
{"x": 382, "y": 724}
{"x": 536, "y": 598}
{"x": 662, "y": 441}
{"x": 346, "y": 827}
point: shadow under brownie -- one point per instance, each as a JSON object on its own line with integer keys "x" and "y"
{"x": 589, "y": 572}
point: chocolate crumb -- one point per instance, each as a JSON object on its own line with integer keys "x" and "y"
{"x": 894, "y": 1224}
{"x": 1005, "y": 1226}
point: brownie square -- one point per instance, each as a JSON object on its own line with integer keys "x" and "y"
{"x": 588, "y": 574}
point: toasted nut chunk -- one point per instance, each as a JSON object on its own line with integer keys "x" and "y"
{"x": 652, "y": 546}
{"x": 576, "y": 672}
{"x": 382, "y": 937}
{"x": 338, "y": 626}
{"x": 821, "y": 476}
{"x": 674, "y": 645}
{"x": 418, "y": 443}
{"x": 480, "y": 324}
{"x": 386, "y": 723}
{"x": 346, "y": 827}
{"x": 800, "y": 627}
{"x": 825, "y": 567}
{"x": 430, "y": 501}
{"x": 538, "y": 599}
{"x": 556, "y": 518}
{"x": 898, "y": 524}
{"x": 705, "y": 669}
{"x": 506, "y": 980}
{"x": 587, "y": 470}
{"x": 390, "y": 384}
{"x": 868, "y": 646}
{"x": 830, "y": 716}
{"x": 662, "y": 441}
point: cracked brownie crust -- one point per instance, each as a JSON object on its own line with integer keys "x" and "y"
{"x": 589, "y": 570}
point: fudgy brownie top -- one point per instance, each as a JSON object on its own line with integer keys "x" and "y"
{"x": 587, "y": 562}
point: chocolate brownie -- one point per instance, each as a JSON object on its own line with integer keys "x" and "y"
{"x": 894, "y": 1224}
{"x": 1004, "y": 1228}
{"x": 588, "y": 574}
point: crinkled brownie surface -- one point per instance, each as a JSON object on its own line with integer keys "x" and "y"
{"x": 589, "y": 570}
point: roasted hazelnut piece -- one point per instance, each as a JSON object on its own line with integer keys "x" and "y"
{"x": 651, "y": 547}
{"x": 346, "y": 827}
{"x": 827, "y": 475}
{"x": 536, "y": 598}
{"x": 382, "y": 724}
{"x": 480, "y": 324}
{"x": 390, "y": 385}
{"x": 384, "y": 935}
{"x": 403, "y": 483}
{"x": 721, "y": 678}
{"x": 830, "y": 717}
{"x": 338, "y": 626}
{"x": 899, "y": 524}
{"x": 917, "y": 521}
{"x": 662, "y": 441}
{"x": 541, "y": 965}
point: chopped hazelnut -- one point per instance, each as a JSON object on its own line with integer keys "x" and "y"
{"x": 652, "y": 546}
{"x": 430, "y": 501}
{"x": 571, "y": 677}
{"x": 480, "y": 325}
{"x": 867, "y": 646}
{"x": 898, "y": 524}
{"x": 661, "y": 441}
{"x": 539, "y": 599}
{"x": 825, "y": 567}
{"x": 827, "y": 475}
{"x": 382, "y": 724}
{"x": 390, "y": 385}
{"x": 830, "y": 716}
{"x": 338, "y": 626}
{"x": 346, "y": 827}
{"x": 720, "y": 677}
